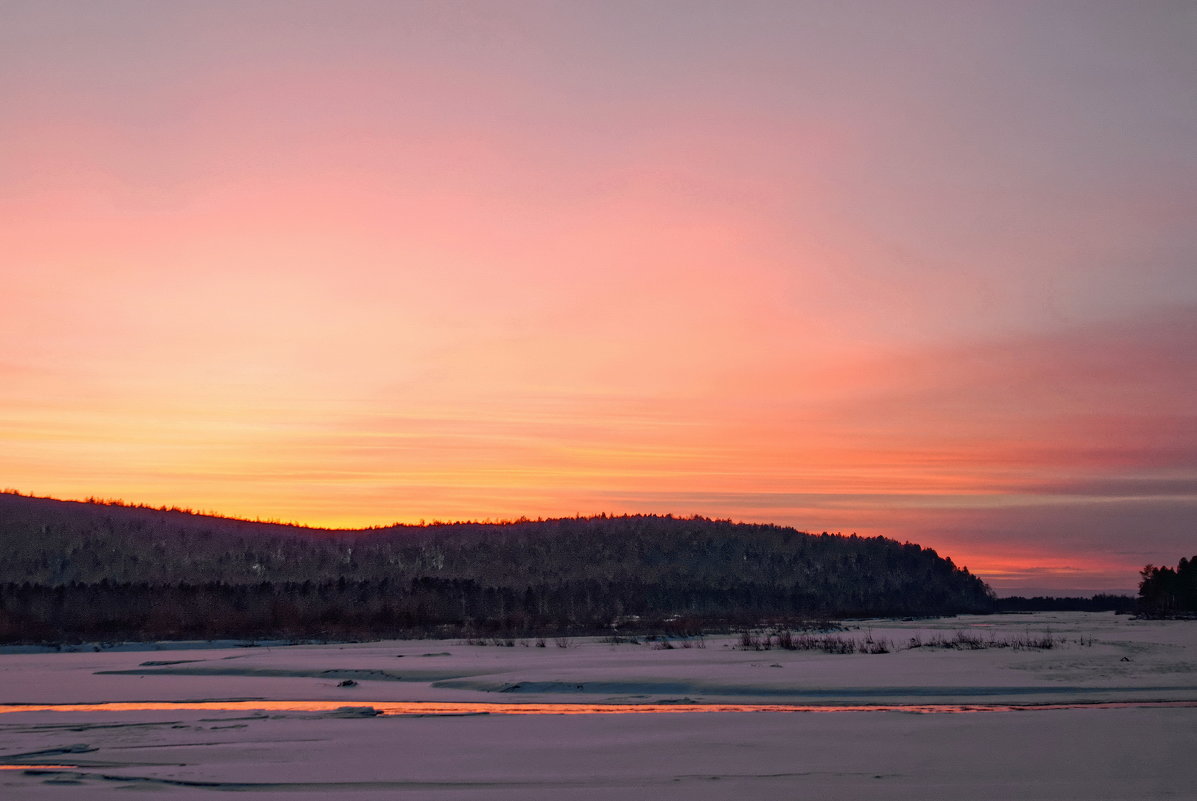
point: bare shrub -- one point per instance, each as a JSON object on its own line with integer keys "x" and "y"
{"x": 837, "y": 645}
{"x": 1043, "y": 642}
{"x": 750, "y": 641}
{"x": 966, "y": 641}
{"x": 969, "y": 641}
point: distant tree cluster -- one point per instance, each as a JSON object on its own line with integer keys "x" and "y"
{"x": 1102, "y": 602}
{"x": 1166, "y": 591}
{"x": 86, "y": 571}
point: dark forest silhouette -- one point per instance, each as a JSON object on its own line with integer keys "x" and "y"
{"x": 1101, "y": 602}
{"x": 74, "y": 570}
{"x": 1166, "y": 592}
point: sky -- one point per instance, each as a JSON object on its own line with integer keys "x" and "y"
{"x": 925, "y": 270}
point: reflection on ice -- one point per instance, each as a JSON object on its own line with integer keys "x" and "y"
{"x": 438, "y": 708}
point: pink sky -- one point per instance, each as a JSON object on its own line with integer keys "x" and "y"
{"x": 925, "y": 270}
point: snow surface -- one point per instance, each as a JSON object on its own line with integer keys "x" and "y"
{"x": 1089, "y": 753}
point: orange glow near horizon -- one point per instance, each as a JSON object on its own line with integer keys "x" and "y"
{"x": 354, "y": 265}
{"x": 388, "y": 708}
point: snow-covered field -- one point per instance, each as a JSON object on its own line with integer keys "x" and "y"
{"x": 1098, "y": 752}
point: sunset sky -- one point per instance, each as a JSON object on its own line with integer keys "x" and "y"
{"x": 919, "y": 269}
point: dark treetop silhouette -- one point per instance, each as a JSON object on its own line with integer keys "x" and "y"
{"x": 1165, "y": 591}
{"x": 93, "y": 570}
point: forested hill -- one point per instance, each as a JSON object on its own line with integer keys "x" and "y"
{"x": 580, "y": 572}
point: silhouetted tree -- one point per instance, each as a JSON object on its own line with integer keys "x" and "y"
{"x": 1165, "y": 591}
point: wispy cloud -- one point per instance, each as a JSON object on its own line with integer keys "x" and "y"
{"x": 883, "y": 270}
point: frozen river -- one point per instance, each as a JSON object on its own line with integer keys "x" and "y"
{"x": 1109, "y": 712}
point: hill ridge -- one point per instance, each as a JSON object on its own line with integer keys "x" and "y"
{"x": 563, "y": 572}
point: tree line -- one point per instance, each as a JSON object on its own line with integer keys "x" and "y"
{"x": 1166, "y": 591}
{"x": 90, "y": 571}
{"x": 1101, "y": 602}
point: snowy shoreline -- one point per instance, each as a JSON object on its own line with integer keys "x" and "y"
{"x": 1136, "y": 752}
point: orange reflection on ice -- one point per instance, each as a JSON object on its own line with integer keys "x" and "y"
{"x": 435, "y": 708}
